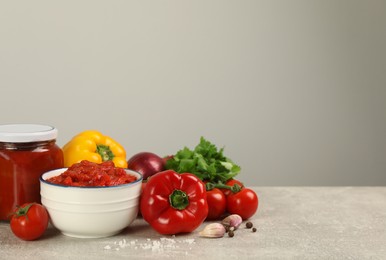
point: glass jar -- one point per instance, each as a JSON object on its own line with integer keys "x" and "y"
{"x": 26, "y": 152}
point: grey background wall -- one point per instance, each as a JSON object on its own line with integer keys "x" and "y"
{"x": 294, "y": 90}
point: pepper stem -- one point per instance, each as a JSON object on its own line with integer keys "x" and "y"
{"x": 179, "y": 199}
{"x": 105, "y": 152}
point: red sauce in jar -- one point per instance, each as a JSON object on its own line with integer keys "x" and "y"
{"x": 26, "y": 152}
{"x": 90, "y": 174}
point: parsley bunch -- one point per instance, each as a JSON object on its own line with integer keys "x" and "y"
{"x": 206, "y": 162}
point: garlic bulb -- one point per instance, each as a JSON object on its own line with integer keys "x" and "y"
{"x": 213, "y": 230}
{"x": 233, "y": 220}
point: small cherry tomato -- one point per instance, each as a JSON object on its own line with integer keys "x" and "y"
{"x": 29, "y": 221}
{"x": 243, "y": 203}
{"x": 216, "y": 203}
{"x": 231, "y": 183}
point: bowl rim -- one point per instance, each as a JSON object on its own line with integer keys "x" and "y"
{"x": 61, "y": 170}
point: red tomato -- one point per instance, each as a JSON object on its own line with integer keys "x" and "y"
{"x": 216, "y": 203}
{"x": 29, "y": 221}
{"x": 243, "y": 203}
{"x": 232, "y": 182}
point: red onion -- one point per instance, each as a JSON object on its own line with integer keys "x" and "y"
{"x": 146, "y": 163}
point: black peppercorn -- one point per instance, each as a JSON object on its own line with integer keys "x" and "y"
{"x": 249, "y": 224}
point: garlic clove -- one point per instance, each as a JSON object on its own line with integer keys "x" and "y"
{"x": 214, "y": 230}
{"x": 233, "y": 220}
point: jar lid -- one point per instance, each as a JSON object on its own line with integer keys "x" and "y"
{"x": 25, "y": 133}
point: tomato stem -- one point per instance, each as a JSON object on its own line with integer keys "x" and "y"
{"x": 235, "y": 188}
{"x": 22, "y": 211}
{"x": 179, "y": 199}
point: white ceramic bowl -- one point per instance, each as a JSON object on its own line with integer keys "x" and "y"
{"x": 90, "y": 212}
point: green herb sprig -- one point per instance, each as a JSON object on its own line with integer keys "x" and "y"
{"x": 206, "y": 161}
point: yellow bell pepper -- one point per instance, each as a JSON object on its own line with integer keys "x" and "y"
{"x": 93, "y": 146}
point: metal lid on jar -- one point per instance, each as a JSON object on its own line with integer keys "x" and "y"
{"x": 25, "y": 133}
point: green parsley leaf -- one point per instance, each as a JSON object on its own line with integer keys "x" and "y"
{"x": 206, "y": 161}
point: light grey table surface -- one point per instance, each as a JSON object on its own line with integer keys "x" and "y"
{"x": 291, "y": 222}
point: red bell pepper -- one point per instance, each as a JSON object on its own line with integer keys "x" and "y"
{"x": 174, "y": 203}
